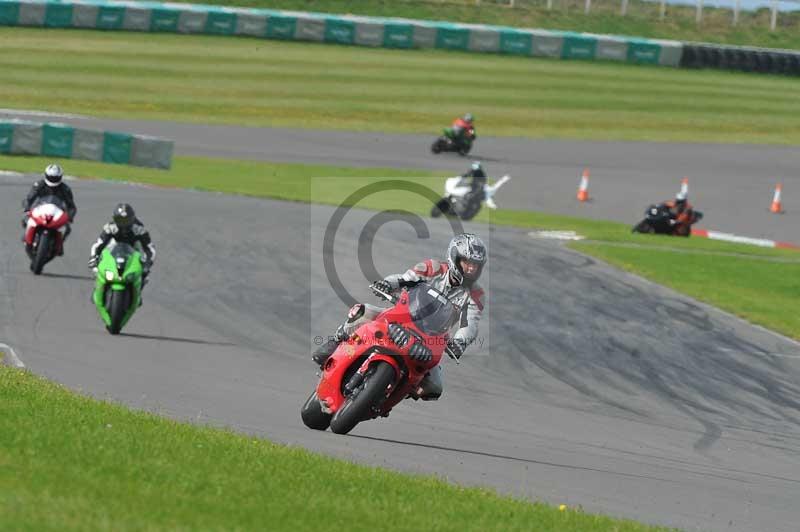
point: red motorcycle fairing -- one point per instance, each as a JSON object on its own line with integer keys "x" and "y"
{"x": 371, "y": 343}
{"x": 46, "y": 216}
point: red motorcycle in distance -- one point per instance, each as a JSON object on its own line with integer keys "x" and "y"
{"x": 449, "y": 142}
{"x": 45, "y": 231}
{"x": 384, "y": 361}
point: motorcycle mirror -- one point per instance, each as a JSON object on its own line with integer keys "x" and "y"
{"x": 451, "y": 355}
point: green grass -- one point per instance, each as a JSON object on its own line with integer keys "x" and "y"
{"x": 206, "y": 79}
{"x": 642, "y": 19}
{"x": 72, "y": 463}
{"x": 287, "y": 181}
{"x": 762, "y": 292}
{"x": 759, "y": 284}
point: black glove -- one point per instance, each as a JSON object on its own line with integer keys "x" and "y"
{"x": 382, "y": 285}
{"x": 93, "y": 262}
{"x": 456, "y": 347}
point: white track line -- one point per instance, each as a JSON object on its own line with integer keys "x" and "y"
{"x": 15, "y": 361}
{"x": 34, "y": 112}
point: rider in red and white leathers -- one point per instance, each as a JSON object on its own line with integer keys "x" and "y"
{"x": 456, "y": 278}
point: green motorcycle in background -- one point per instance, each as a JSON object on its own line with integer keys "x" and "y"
{"x": 118, "y": 289}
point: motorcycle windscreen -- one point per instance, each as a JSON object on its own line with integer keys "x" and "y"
{"x": 49, "y": 200}
{"x": 121, "y": 252}
{"x": 431, "y": 311}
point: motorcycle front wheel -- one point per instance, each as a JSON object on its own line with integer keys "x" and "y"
{"x": 118, "y": 304}
{"x": 42, "y": 253}
{"x": 360, "y": 405}
{"x": 643, "y": 227}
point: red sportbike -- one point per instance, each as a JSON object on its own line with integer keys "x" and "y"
{"x": 384, "y": 361}
{"x": 45, "y": 231}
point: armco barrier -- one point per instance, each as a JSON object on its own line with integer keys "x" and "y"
{"x": 344, "y": 29}
{"x": 388, "y": 33}
{"x": 22, "y": 137}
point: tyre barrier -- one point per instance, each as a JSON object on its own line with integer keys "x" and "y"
{"x": 760, "y": 60}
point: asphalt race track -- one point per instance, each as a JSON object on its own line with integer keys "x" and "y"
{"x": 731, "y": 184}
{"x": 590, "y": 387}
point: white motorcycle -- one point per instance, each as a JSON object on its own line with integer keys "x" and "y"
{"x": 459, "y": 199}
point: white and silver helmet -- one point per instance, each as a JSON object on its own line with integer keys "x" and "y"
{"x": 53, "y": 175}
{"x": 466, "y": 257}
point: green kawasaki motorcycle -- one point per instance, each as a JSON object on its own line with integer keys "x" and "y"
{"x": 119, "y": 285}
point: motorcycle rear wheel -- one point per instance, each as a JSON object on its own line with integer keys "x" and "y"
{"x": 360, "y": 405}
{"x": 471, "y": 210}
{"x": 436, "y": 147}
{"x": 312, "y": 414}
{"x": 442, "y": 207}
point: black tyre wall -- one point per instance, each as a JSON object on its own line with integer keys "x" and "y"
{"x": 740, "y": 58}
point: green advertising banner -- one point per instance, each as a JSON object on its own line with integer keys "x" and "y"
{"x": 280, "y": 27}
{"x": 644, "y": 52}
{"x": 110, "y": 17}
{"x": 9, "y": 13}
{"x": 516, "y": 42}
{"x": 221, "y": 23}
{"x": 452, "y": 38}
{"x": 339, "y": 31}
{"x": 57, "y": 140}
{"x": 578, "y": 47}
{"x": 117, "y": 147}
{"x": 6, "y": 137}
{"x": 398, "y": 35}
{"x": 164, "y": 20}
{"x": 58, "y": 16}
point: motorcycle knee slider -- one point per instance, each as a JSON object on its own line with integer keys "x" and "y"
{"x": 324, "y": 351}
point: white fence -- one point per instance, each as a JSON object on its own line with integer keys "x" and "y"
{"x": 736, "y": 7}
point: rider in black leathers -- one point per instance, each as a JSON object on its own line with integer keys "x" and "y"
{"x": 127, "y": 228}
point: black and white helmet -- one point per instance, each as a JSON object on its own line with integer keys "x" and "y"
{"x": 124, "y": 216}
{"x": 466, "y": 257}
{"x": 53, "y": 175}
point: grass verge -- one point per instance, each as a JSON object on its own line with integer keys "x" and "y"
{"x": 758, "y": 284}
{"x": 762, "y": 292}
{"x": 268, "y": 83}
{"x": 73, "y": 463}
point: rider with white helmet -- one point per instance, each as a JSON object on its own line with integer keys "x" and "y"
{"x": 51, "y": 185}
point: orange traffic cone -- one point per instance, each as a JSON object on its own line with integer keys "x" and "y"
{"x": 776, "y": 200}
{"x": 583, "y": 189}
{"x": 685, "y": 186}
